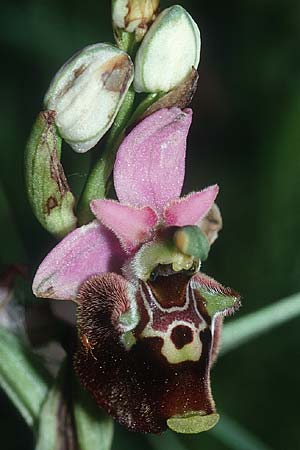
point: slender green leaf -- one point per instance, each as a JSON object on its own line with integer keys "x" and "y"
{"x": 22, "y": 376}
{"x": 94, "y": 427}
{"x": 242, "y": 330}
{"x": 56, "y": 428}
{"x": 230, "y": 433}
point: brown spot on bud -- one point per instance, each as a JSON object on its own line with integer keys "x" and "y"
{"x": 79, "y": 71}
{"x": 116, "y": 73}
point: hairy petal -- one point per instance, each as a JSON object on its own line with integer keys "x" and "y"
{"x": 150, "y": 164}
{"x": 191, "y": 209}
{"x": 132, "y": 226}
{"x": 217, "y": 298}
{"x": 86, "y": 251}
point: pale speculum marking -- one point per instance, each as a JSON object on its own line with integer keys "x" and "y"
{"x": 178, "y": 326}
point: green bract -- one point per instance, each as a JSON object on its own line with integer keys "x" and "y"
{"x": 87, "y": 92}
{"x": 48, "y": 191}
{"x": 168, "y": 52}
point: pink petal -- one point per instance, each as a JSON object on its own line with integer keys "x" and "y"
{"x": 150, "y": 164}
{"x": 132, "y": 226}
{"x": 86, "y": 251}
{"x": 191, "y": 209}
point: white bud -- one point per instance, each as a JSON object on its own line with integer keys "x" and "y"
{"x": 87, "y": 92}
{"x": 168, "y": 52}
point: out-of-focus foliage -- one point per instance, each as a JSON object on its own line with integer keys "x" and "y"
{"x": 245, "y": 136}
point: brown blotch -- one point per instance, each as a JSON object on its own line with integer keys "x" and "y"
{"x": 79, "y": 71}
{"x": 181, "y": 96}
{"x": 76, "y": 74}
{"x": 48, "y": 293}
{"x": 116, "y": 73}
{"x": 49, "y": 116}
{"x": 57, "y": 173}
{"x": 51, "y": 203}
{"x": 181, "y": 335}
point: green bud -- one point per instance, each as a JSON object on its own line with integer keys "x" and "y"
{"x": 48, "y": 191}
{"x": 133, "y": 16}
{"x": 168, "y": 52}
{"x": 190, "y": 240}
{"x": 87, "y": 93}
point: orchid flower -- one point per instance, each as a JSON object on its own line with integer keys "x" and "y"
{"x": 148, "y": 320}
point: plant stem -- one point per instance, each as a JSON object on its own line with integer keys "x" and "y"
{"x": 143, "y": 106}
{"x": 243, "y": 330}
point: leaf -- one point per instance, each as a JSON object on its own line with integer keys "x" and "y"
{"x": 56, "y": 426}
{"x": 22, "y": 376}
{"x": 235, "y": 437}
{"x": 249, "y": 327}
{"x": 94, "y": 427}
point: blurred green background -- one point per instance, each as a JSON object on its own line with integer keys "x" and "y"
{"x": 245, "y": 136}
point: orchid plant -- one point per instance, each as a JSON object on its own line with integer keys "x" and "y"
{"x": 145, "y": 311}
{"x": 148, "y": 320}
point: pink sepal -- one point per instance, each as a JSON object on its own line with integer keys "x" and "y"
{"x": 189, "y": 210}
{"x": 150, "y": 164}
{"x": 88, "y": 250}
{"x": 132, "y": 226}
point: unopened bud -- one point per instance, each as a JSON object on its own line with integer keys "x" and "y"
{"x": 48, "y": 191}
{"x": 134, "y": 15}
{"x": 169, "y": 51}
{"x": 191, "y": 241}
{"x": 87, "y": 93}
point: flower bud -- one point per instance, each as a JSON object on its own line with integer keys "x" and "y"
{"x": 134, "y": 15}
{"x": 48, "y": 191}
{"x": 168, "y": 52}
{"x": 87, "y": 92}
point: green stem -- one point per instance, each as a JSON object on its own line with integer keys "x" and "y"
{"x": 243, "y": 330}
{"x": 96, "y": 186}
{"x": 143, "y": 106}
